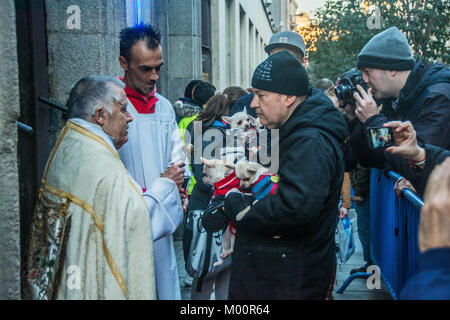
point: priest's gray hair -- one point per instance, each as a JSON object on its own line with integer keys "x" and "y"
{"x": 90, "y": 92}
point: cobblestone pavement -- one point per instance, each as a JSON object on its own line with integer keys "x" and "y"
{"x": 357, "y": 290}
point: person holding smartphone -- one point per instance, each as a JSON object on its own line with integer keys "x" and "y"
{"x": 409, "y": 90}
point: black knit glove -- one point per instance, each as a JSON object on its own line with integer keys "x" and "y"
{"x": 214, "y": 219}
{"x": 237, "y": 205}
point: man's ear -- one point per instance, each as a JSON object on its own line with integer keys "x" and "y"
{"x": 123, "y": 63}
{"x": 99, "y": 116}
{"x": 305, "y": 61}
{"x": 289, "y": 100}
{"x": 393, "y": 73}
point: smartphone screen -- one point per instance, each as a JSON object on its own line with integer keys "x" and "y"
{"x": 380, "y": 137}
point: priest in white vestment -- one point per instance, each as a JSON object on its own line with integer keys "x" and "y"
{"x": 154, "y": 147}
{"x": 92, "y": 232}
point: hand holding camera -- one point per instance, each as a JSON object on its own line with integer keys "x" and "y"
{"x": 346, "y": 91}
{"x": 366, "y": 106}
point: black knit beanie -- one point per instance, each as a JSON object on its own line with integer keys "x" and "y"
{"x": 191, "y": 85}
{"x": 282, "y": 73}
{"x": 388, "y": 50}
{"x": 203, "y": 92}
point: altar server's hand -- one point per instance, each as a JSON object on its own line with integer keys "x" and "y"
{"x": 184, "y": 200}
{"x": 175, "y": 173}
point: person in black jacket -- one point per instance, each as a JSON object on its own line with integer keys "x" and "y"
{"x": 212, "y": 137}
{"x": 284, "y": 247}
{"x": 410, "y": 90}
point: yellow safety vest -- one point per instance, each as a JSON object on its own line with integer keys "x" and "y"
{"x": 182, "y": 126}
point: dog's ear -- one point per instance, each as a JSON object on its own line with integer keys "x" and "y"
{"x": 207, "y": 162}
{"x": 252, "y": 169}
{"x": 245, "y": 110}
{"x": 226, "y": 119}
{"x": 229, "y": 165}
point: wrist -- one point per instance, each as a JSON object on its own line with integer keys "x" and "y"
{"x": 418, "y": 162}
{"x": 419, "y": 155}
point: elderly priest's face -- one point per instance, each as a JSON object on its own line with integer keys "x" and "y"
{"x": 116, "y": 124}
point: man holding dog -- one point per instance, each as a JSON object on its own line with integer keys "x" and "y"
{"x": 284, "y": 245}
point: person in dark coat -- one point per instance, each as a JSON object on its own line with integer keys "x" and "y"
{"x": 410, "y": 90}
{"x": 284, "y": 247}
{"x": 432, "y": 278}
{"x": 185, "y": 106}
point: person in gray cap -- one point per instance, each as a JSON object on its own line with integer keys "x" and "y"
{"x": 284, "y": 246}
{"x": 290, "y": 41}
{"x": 284, "y": 40}
{"x": 409, "y": 90}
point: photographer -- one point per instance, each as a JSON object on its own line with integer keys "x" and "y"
{"x": 359, "y": 175}
{"x": 409, "y": 90}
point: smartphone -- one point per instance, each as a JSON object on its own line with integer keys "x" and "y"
{"x": 380, "y": 137}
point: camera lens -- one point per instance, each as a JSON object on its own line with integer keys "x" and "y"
{"x": 343, "y": 92}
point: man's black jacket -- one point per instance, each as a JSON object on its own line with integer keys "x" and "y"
{"x": 301, "y": 215}
{"x": 425, "y": 101}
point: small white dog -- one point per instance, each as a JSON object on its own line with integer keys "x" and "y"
{"x": 239, "y": 120}
{"x": 248, "y": 173}
{"x": 215, "y": 170}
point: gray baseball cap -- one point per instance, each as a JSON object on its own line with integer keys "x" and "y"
{"x": 286, "y": 39}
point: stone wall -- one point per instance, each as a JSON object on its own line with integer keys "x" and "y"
{"x": 9, "y": 176}
{"x": 74, "y": 53}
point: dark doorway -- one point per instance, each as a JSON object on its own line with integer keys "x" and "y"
{"x": 33, "y": 150}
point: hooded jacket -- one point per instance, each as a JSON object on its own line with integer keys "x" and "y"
{"x": 425, "y": 101}
{"x": 185, "y": 107}
{"x": 284, "y": 245}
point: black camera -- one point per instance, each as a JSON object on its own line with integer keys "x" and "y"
{"x": 347, "y": 85}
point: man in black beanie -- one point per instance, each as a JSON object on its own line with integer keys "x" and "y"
{"x": 409, "y": 90}
{"x": 283, "y": 40}
{"x": 284, "y": 246}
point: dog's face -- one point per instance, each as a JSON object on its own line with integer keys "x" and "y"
{"x": 256, "y": 123}
{"x": 240, "y": 120}
{"x": 214, "y": 170}
{"x": 248, "y": 173}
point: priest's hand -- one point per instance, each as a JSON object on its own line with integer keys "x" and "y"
{"x": 175, "y": 173}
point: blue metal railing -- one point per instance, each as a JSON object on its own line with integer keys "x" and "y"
{"x": 394, "y": 224}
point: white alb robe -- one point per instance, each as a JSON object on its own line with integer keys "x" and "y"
{"x": 154, "y": 144}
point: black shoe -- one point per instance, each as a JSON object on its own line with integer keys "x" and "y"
{"x": 360, "y": 269}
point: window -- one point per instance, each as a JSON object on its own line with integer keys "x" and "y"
{"x": 206, "y": 41}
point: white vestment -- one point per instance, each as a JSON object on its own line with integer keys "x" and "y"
{"x": 154, "y": 144}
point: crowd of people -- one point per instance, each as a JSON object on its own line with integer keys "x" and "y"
{"x": 125, "y": 175}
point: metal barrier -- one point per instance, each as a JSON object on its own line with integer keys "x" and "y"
{"x": 394, "y": 224}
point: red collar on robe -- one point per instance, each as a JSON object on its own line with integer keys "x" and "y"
{"x": 142, "y": 104}
{"x": 226, "y": 184}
